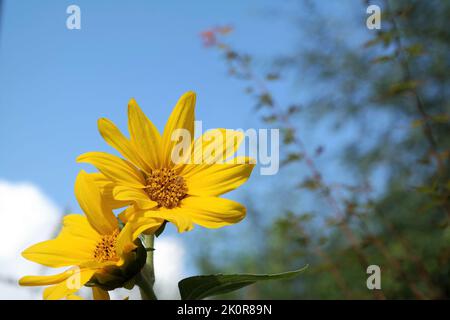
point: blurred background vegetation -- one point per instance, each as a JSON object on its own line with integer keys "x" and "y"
{"x": 364, "y": 175}
{"x": 375, "y": 190}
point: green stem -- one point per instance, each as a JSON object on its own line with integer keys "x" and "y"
{"x": 146, "y": 278}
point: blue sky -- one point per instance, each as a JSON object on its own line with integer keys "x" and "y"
{"x": 57, "y": 82}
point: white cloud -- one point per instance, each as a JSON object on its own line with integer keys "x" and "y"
{"x": 169, "y": 266}
{"x": 27, "y": 216}
{"x": 169, "y": 269}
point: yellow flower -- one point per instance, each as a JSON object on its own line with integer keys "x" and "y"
{"x": 155, "y": 187}
{"x": 93, "y": 246}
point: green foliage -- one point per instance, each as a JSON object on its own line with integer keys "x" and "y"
{"x": 390, "y": 89}
{"x": 292, "y": 157}
{"x": 201, "y": 287}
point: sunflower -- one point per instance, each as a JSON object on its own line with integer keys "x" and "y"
{"x": 96, "y": 249}
{"x": 156, "y": 188}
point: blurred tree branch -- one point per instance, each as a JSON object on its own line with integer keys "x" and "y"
{"x": 393, "y": 228}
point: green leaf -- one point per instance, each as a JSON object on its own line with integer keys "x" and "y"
{"x": 401, "y": 87}
{"x": 417, "y": 123}
{"x": 266, "y": 100}
{"x": 441, "y": 118}
{"x": 272, "y": 76}
{"x": 382, "y": 37}
{"x": 293, "y": 109}
{"x": 382, "y": 59}
{"x": 310, "y": 184}
{"x": 161, "y": 229}
{"x": 200, "y": 287}
{"x": 231, "y": 55}
{"x": 288, "y": 135}
{"x": 270, "y": 119}
{"x": 292, "y": 157}
{"x": 415, "y": 50}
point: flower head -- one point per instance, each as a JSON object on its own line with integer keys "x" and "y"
{"x": 98, "y": 252}
{"x": 160, "y": 179}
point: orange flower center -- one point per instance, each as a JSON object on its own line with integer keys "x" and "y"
{"x": 105, "y": 250}
{"x": 166, "y": 188}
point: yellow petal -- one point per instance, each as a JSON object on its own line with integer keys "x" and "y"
{"x": 216, "y": 179}
{"x": 213, "y": 212}
{"x": 144, "y": 136}
{"x": 145, "y": 225}
{"x": 118, "y": 141}
{"x": 115, "y": 168}
{"x": 125, "y": 240}
{"x": 94, "y": 264}
{"x": 128, "y": 214}
{"x": 218, "y": 145}
{"x": 77, "y": 225}
{"x": 100, "y": 216}
{"x": 106, "y": 189}
{"x": 130, "y": 195}
{"x": 73, "y": 297}
{"x": 177, "y": 216}
{"x": 100, "y": 294}
{"x": 100, "y": 179}
{"x": 70, "y": 285}
{"x": 58, "y": 253}
{"x": 213, "y": 147}
{"x": 66, "y": 250}
{"x": 45, "y": 280}
{"x": 182, "y": 117}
